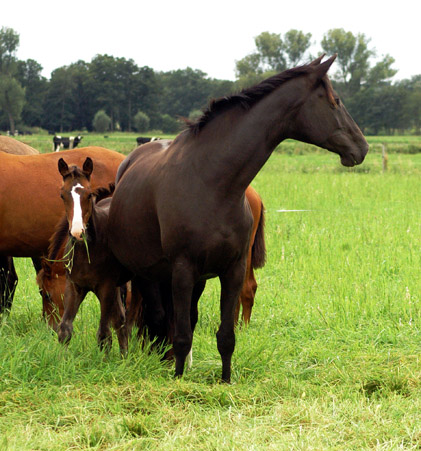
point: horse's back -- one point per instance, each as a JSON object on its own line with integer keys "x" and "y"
{"x": 15, "y": 147}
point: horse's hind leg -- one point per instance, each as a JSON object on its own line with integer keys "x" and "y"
{"x": 119, "y": 323}
{"x": 73, "y": 297}
{"x": 182, "y": 290}
{"x": 111, "y": 311}
{"x": 8, "y": 282}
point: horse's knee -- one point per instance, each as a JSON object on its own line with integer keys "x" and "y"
{"x": 225, "y": 342}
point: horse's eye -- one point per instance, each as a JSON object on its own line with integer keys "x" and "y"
{"x": 61, "y": 195}
{"x": 338, "y": 101}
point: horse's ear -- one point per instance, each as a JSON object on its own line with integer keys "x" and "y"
{"x": 321, "y": 70}
{"x": 88, "y": 167}
{"x": 62, "y": 167}
{"x": 318, "y": 60}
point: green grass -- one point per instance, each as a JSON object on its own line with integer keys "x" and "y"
{"x": 331, "y": 359}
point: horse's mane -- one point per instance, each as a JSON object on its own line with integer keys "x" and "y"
{"x": 248, "y": 97}
{"x": 104, "y": 192}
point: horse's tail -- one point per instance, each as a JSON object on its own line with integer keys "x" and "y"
{"x": 258, "y": 250}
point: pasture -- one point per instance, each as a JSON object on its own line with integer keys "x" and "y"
{"x": 330, "y": 360}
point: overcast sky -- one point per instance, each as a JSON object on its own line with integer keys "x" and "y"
{"x": 206, "y": 35}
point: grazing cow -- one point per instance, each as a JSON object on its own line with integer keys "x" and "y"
{"x": 66, "y": 143}
{"x": 141, "y": 140}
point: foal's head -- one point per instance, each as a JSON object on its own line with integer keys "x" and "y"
{"x": 77, "y": 195}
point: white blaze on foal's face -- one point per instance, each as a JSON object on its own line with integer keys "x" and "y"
{"x": 77, "y": 221}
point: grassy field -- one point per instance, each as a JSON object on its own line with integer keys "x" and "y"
{"x": 331, "y": 359}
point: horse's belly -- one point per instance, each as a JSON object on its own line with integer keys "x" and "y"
{"x": 23, "y": 245}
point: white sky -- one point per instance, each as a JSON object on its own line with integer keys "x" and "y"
{"x": 206, "y": 35}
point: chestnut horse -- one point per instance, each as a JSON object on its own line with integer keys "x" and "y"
{"x": 30, "y": 205}
{"x": 8, "y": 276}
{"x": 179, "y": 215}
{"x": 90, "y": 265}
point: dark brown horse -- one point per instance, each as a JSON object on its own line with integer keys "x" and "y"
{"x": 30, "y": 205}
{"x": 90, "y": 264}
{"x": 179, "y": 214}
{"x": 52, "y": 277}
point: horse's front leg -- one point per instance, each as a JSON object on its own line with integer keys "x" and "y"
{"x": 231, "y": 284}
{"x": 73, "y": 297}
{"x": 8, "y": 282}
{"x": 182, "y": 290}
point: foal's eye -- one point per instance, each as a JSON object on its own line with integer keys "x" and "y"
{"x": 338, "y": 101}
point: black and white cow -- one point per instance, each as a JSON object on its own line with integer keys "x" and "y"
{"x": 66, "y": 143}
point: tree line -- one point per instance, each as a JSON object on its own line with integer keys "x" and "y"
{"x": 112, "y": 93}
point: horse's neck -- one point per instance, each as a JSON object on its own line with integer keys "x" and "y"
{"x": 96, "y": 226}
{"x": 238, "y": 143}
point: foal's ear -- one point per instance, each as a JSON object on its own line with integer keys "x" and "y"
{"x": 62, "y": 167}
{"x": 88, "y": 167}
{"x": 321, "y": 70}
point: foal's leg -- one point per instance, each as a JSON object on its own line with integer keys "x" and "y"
{"x": 111, "y": 311}
{"x": 182, "y": 289}
{"x": 231, "y": 283}
{"x": 73, "y": 297}
{"x": 8, "y": 282}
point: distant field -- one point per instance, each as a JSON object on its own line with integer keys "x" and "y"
{"x": 126, "y": 142}
{"x": 331, "y": 359}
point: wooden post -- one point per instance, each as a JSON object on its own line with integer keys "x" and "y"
{"x": 385, "y": 157}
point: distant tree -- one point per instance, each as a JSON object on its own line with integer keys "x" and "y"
{"x": 273, "y": 54}
{"x": 12, "y": 99}
{"x": 12, "y": 95}
{"x": 58, "y": 113}
{"x": 412, "y": 104}
{"x": 183, "y": 91}
{"x": 195, "y": 114}
{"x": 296, "y": 44}
{"x": 353, "y": 61}
{"x": 169, "y": 124}
{"x": 9, "y": 43}
{"x": 101, "y": 122}
{"x": 29, "y": 76}
{"x": 141, "y": 121}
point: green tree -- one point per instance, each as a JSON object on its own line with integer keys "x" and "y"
{"x": 12, "y": 95}
{"x": 141, "y": 121}
{"x": 29, "y": 76}
{"x": 101, "y": 122}
{"x": 58, "y": 103}
{"x": 273, "y": 53}
{"x": 183, "y": 91}
{"x": 9, "y": 43}
{"x": 106, "y": 86}
{"x": 12, "y": 99}
{"x": 353, "y": 61}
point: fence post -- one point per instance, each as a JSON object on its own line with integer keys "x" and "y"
{"x": 384, "y": 157}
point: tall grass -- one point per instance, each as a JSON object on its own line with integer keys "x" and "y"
{"x": 331, "y": 359}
